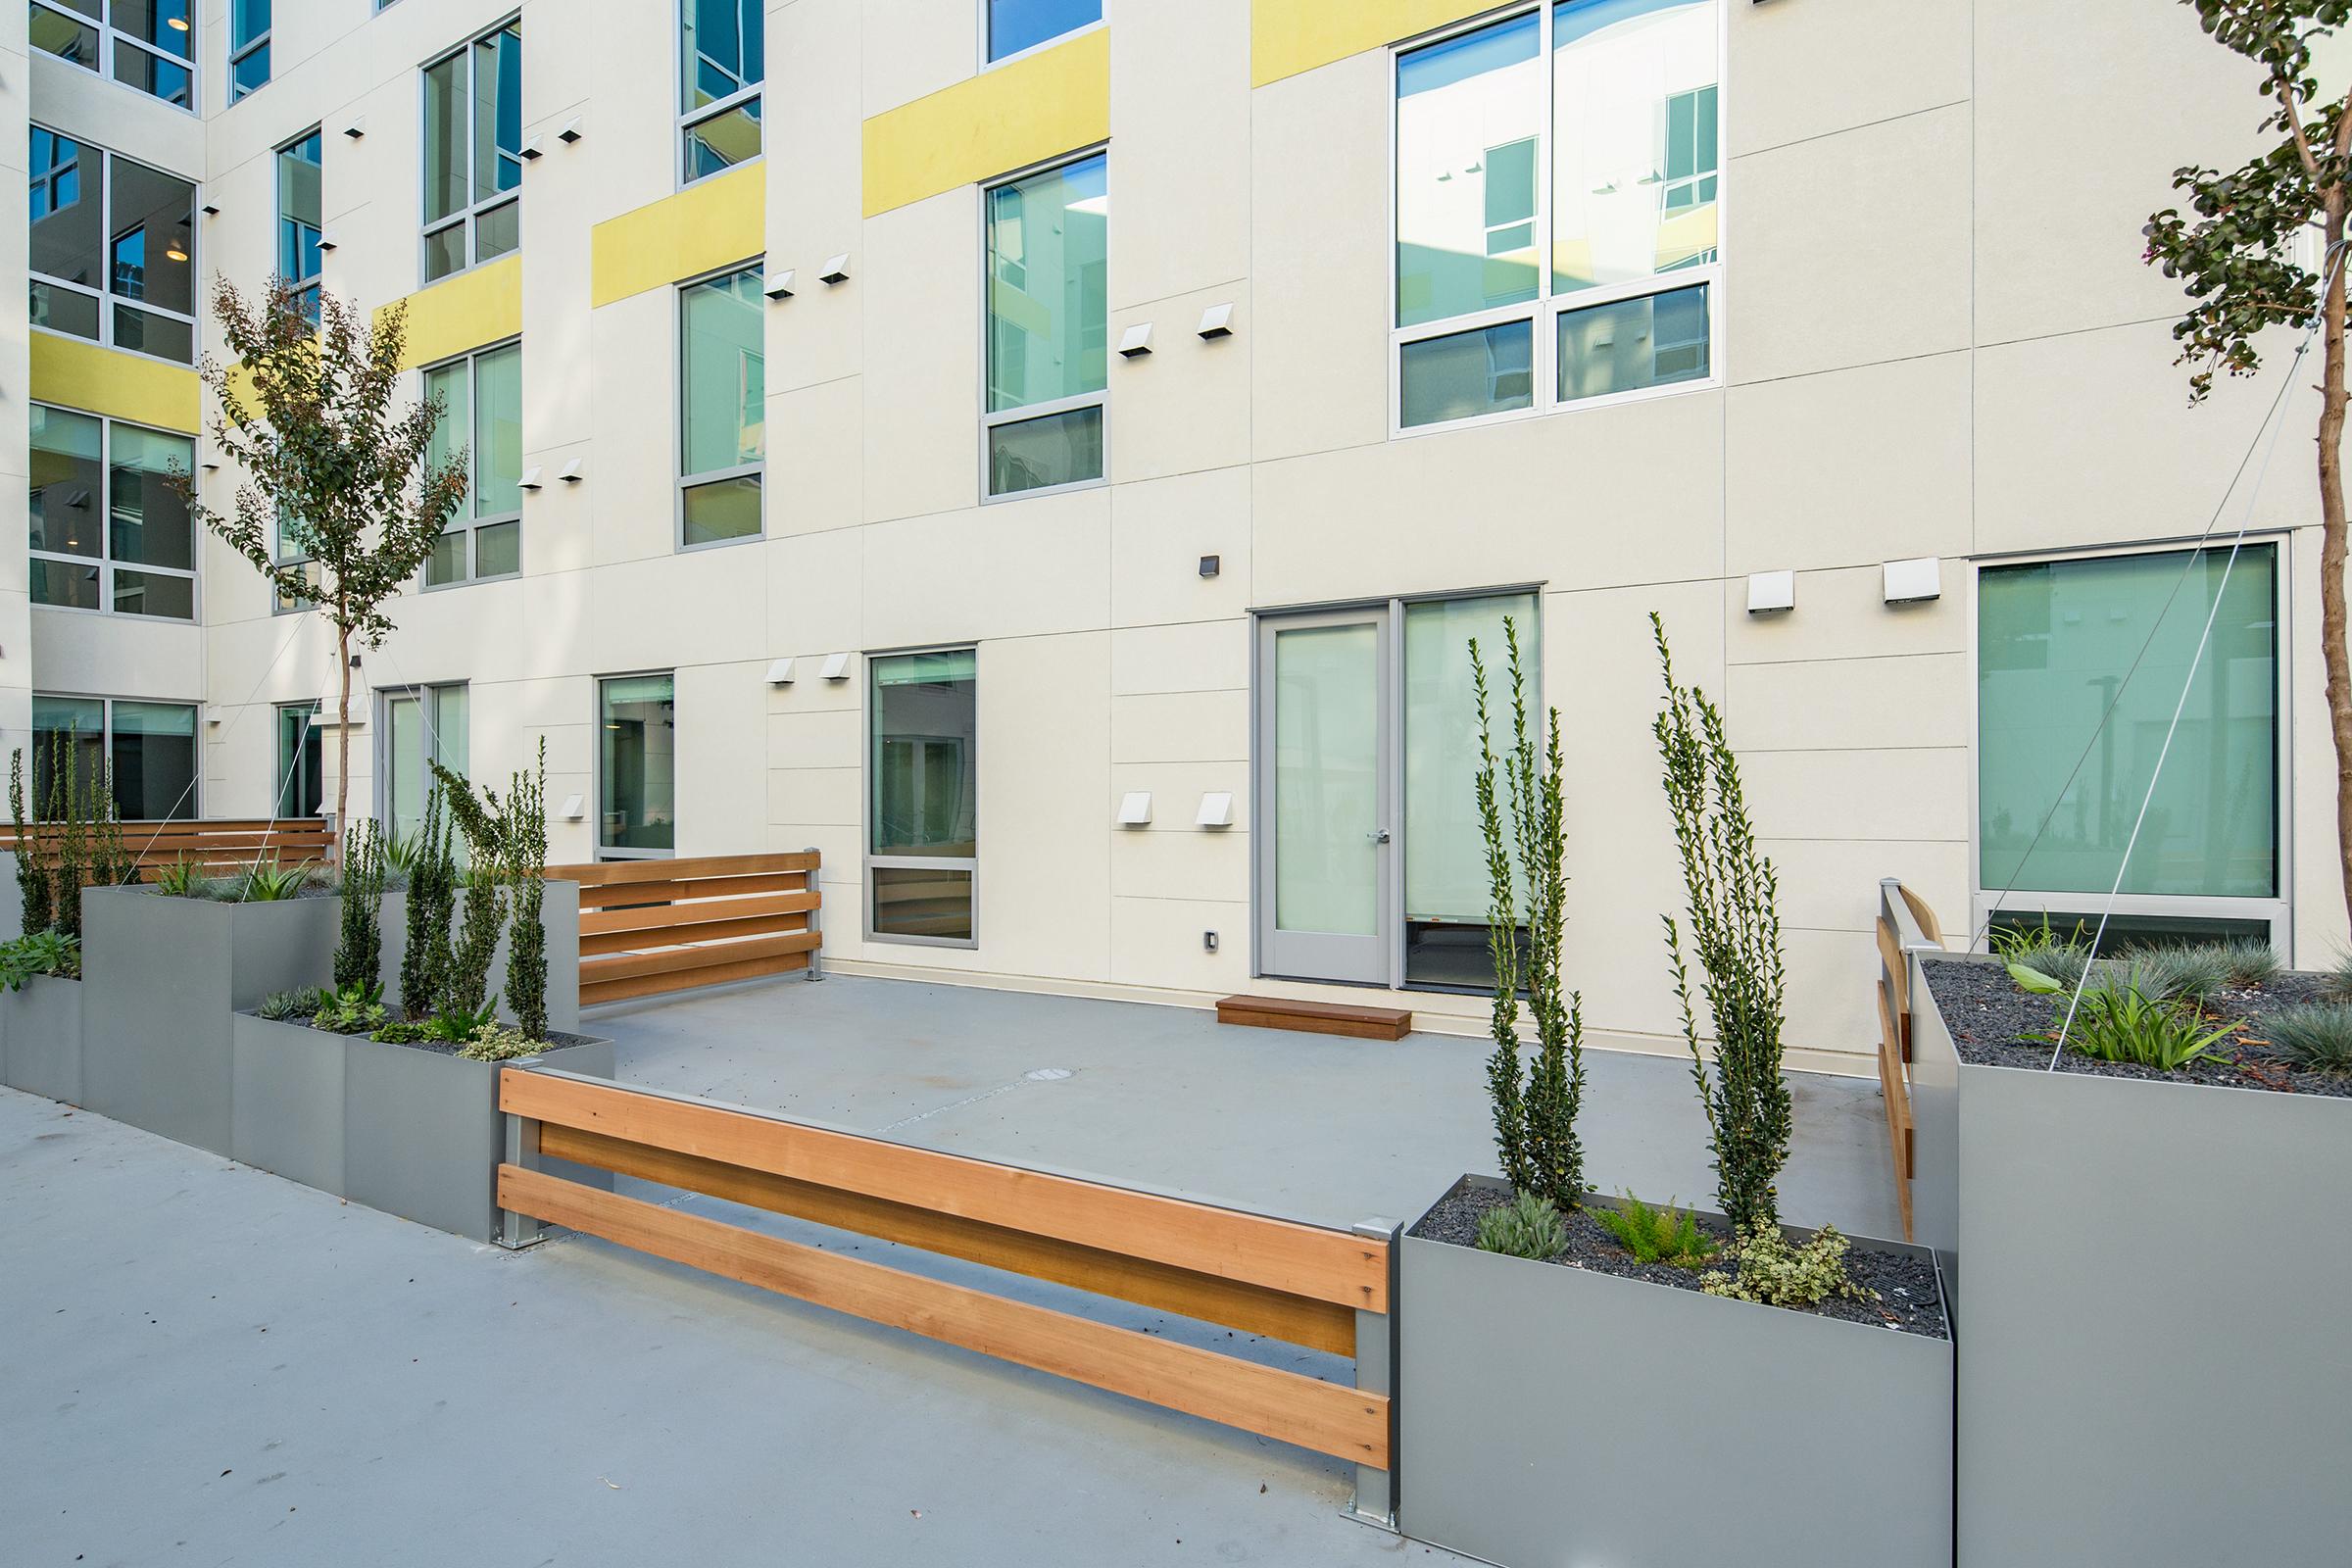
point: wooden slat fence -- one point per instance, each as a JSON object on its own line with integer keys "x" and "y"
{"x": 1905, "y": 924}
{"x": 218, "y": 846}
{"x": 1302, "y": 1284}
{"x": 648, "y": 927}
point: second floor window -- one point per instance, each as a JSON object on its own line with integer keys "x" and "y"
{"x": 722, "y": 53}
{"x": 113, "y": 248}
{"x": 1017, "y": 25}
{"x": 1048, "y": 322}
{"x": 481, "y": 398}
{"x": 1557, "y": 174}
{"x": 474, "y": 153}
{"x": 147, "y": 45}
{"x": 106, "y": 528}
{"x": 299, "y": 203}
{"x": 247, "y": 46}
{"x": 722, "y": 406}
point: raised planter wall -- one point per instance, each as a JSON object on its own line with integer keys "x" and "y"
{"x": 1553, "y": 1417}
{"x": 41, "y": 1038}
{"x": 2150, "y": 1305}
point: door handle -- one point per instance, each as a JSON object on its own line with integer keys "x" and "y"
{"x": 1379, "y": 835}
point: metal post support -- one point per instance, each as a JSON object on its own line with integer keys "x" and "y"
{"x": 816, "y": 918}
{"x": 1376, "y": 1373}
{"x": 519, "y": 1230}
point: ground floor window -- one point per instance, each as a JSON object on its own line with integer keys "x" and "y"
{"x": 2081, "y": 665}
{"x": 300, "y": 764}
{"x": 637, "y": 766}
{"x": 1372, "y": 865}
{"x": 146, "y": 751}
{"x": 422, "y": 726}
{"x": 923, "y": 808}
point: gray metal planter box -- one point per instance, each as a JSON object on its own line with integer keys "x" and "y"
{"x": 287, "y": 1107}
{"x": 163, "y": 978}
{"x": 2150, "y": 1299}
{"x": 41, "y": 1038}
{"x": 558, "y": 918}
{"x": 1551, "y": 1416}
{"x": 422, "y": 1136}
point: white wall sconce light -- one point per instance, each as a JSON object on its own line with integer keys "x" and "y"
{"x": 573, "y": 472}
{"x": 329, "y": 240}
{"x": 837, "y": 270}
{"x": 357, "y": 128}
{"x": 532, "y": 152}
{"x": 1136, "y": 340}
{"x": 778, "y": 285}
{"x": 779, "y": 673}
{"x": 1770, "y": 593}
{"x": 212, "y": 716}
{"x": 571, "y": 132}
{"x": 1135, "y": 808}
{"x": 211, "y": 209}
{"x": 533, "y": 477}
{"x": 1216, "y": 322}
{"x": 837, "y": 667}
{"x": 1914, "y": 581}
{"x": 1216, "y": 809}
{"x": 575, "y": 807}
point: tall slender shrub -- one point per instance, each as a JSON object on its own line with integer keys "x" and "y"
{"x": 33, "y": 869}
{"x": 64, "y": 810}
{"x": 1732, "y": 903}
{"x": 359, "y": 953}
{"x": 109, "y": 863}
{"x": 425, "y": 956}
{"x": 466, "y": 985}
{"x": 525, "y": 835}
{"x": 1534, "y": 1103}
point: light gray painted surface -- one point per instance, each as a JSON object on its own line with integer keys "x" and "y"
{"x": 1551, "y": 1417}
{"x": 286, "y": 1104}
{"x": 1934, "y": 1133}
{"x": 2152, "y": 1357}
{"x": 359, "y": 1380}
{"x": 41, "y": 1038}
{"x": 163, "y": 976}
{"x": 559, "y": 917}
{"x": 422, "y": 1136}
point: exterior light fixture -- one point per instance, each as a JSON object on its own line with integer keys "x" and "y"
{"x": 1210, "y": 565}
{"x": 837, "y": 667}
{"x": 530, "y": 479}
{"x": 575, "y": 808}
{"x": 837, "y": 270}
{"x": 1216, "y": 322}
{"x": 1135, "y": 341}
{"x": 1216, "y": 809}
{"x": 1914, "y": 581}
{"x": 357, "y": 128}
{"x": 573, "y": 472}
{"x": 779, "y": 673}
{"x": 1770, "y": 593}
{"x": 1135, "y": 808}
{"x": 571, "y": 132}
{"x": 780, "y": 284}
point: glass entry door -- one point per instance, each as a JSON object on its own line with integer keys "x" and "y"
{"x": 420, "y": 726}
{"x": 1326, "y": 747}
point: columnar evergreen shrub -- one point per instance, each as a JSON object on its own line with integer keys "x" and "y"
{"x": 425, "y": 956}
{"x": 1732, "y": 903}
{"x": 65, "y": 811}
{"x": 360, "y": 954}
{"x": 525, "y": 823}
{"x": 1534, "y": 1106}
{"x": 32, "y": 868}
{"x": 467, "y": 981}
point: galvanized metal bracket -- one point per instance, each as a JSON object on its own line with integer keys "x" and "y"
{"x": 519, "y": 1230}
{"x": 1375, "y": 1500}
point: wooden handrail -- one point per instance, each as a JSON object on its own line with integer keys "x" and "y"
{"x": 650, "y": 927}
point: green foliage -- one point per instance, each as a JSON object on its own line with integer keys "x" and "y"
{"x": 183, "y": 878}
{"x": 454, "y": 1026}
{"x": 50, "y": 952}
{"x": 1528, "y": 1226}
{"x": 2251, "y": 962}
{"x": 304, "y": 1003}
{"x": 2194, "y": 972}
{"x": 33, "y": 871}
{"x": 1776, "y": 1272}
{"x": 76, "y": 844}
{"x": 425, "y": 958}
{"x": 399, "y": 1031}
{"x": 2045, "y": 953}
{"x": 360, "y": 952}
{"x": 2033, "y": 980}
{"x": 2339, "y": 977}
{"x": 2118, "y": 1020}
{"x": 498, "y": 1042}
{"x": 267, "y": 881}
{"x": 1731, "y": 897}
{"x": 467, "y": 982}
{"x": 1534, "y": 1115}
{"x": 1655, "y": 1235}
{"x": 355, "y": 1010}
{"x": 525, "y": 831}
{"x": 2315, "y": 1036}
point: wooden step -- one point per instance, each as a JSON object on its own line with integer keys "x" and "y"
{"x": 1317, "y": 1018}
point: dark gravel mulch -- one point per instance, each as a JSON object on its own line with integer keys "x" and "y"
{"x": 1907, "y": 1295}
{"x": 1991, "y": 1017}
{"x": 556, "y": 1038}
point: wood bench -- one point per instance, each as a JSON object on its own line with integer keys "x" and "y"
{"x": 1317, "y": 1018}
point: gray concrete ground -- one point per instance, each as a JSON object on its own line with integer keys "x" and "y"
{"x": 205, "y": 1364}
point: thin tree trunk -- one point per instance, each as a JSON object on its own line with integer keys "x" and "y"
{"x": 343, "y": 741}
{"x": 2332, "y": 544}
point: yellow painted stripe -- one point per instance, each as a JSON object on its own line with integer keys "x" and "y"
{"x": 465, "y": 311}
{"x": 705, "y": 226}
{"x": 73, "y": 374}
{"x": 1055, "y": 101}
{"x": 1288, "y": 37}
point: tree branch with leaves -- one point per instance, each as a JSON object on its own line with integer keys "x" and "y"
{"x": 306, "y": 411}
{"x": 2234, "y": 252}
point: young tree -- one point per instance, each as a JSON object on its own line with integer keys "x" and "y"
{"x": 307, "y": 412}
{"x": 2236, "y": 257}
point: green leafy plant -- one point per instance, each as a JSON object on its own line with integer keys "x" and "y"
{"x": 1655, "y": 1235}
{"x": 183, "y": 878}
{"x": 1731, "y": 900}
{"x": 454, "y": 1026}
{"x": 498, "y": 1042}
{"x": 355, "y": 1010}
{"x": 2117, "y": 1020}
{"x": 1535, "y": 1113}
{"x": 398, "y": 1032}
{"x": 1777, "y": 1272}
{"x": 2315, "y": 1036}
{"x": 2194, "y": 972}
{"x": 1528, "y": 1226}
{"x": 77, "y": 843}
{"x": 2251, "y": 961}
{"x": 2040, "y": 960}
{"x": 360, "y": 952}
{"x": 526, "y": 838}
{"x": 268, "y": 881}
{"x": 427, "y": 956}
{"x": 50, "y": 953}
{"x": 33, "y": 869}
{"x": 467, "y": 982}
{"x": 304, "y": 1003}
{"x": 402, "y": 851}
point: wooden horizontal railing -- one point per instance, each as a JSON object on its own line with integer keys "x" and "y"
{"x": 216, "y": 846}
{"x": 648, "y": 927}
{"x": 1905, "y": 923}
{"x": 1302, "y": 1284}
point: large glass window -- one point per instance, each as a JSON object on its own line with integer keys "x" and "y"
{"x": 422, "y": 725}
{"x": 301, "y": 761}
{"x": 481, "y": 399}
{"x": 125, "y": 278}
{"x": 301, "y": 199}
{"x": 247, "y": 46}
{"x": 146, "y": 749}
{"x": 1014, "y": 25}
{"x": 2056, "y": 641}
{"x": 923, "y": 808}
{"x": 1557, "y": 177}
{"x": 722, "y": 397}
{"x": 147, "y": 45}
{"x": 474, "y": 153}
{"x": 1047, "y": 326}
{"x": 106, "y": 528}
{"x": 722, "y": 55}
{"x": 636, "y": 766}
